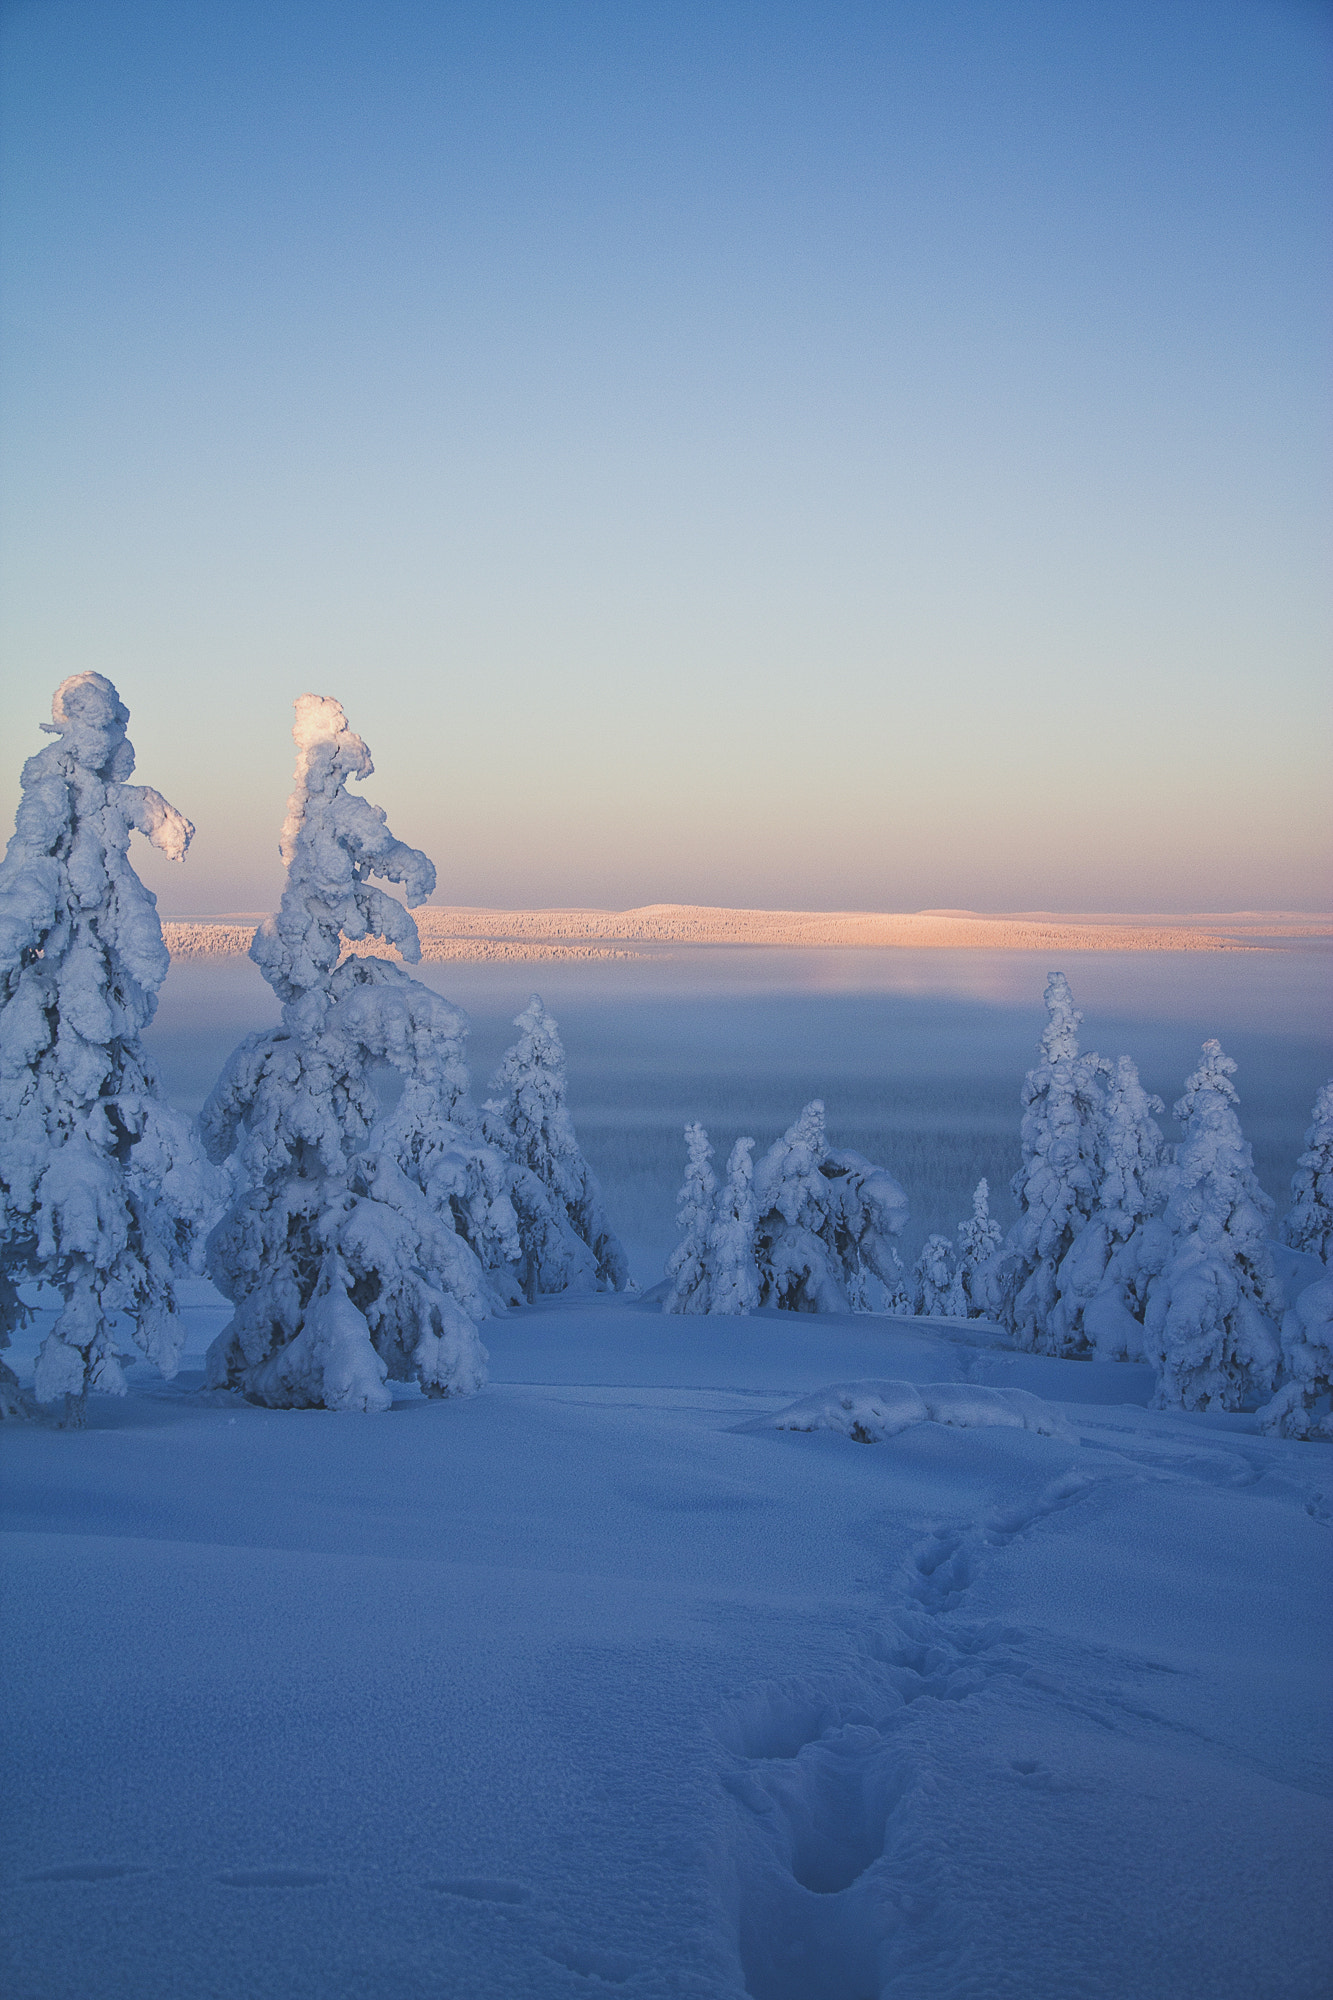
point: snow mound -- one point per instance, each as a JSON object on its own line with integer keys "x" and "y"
{"x": 872, "y": 1411}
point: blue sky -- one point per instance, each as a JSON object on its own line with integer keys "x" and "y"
{"x": 817, "y": 455}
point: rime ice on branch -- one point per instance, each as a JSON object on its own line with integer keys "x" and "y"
{"x": 567, "y": 1242}
{"x": 103, "y": 1185}
{"x": 357, "y": 1246}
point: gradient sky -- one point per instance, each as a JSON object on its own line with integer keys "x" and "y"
{"x": 820, "y": 455}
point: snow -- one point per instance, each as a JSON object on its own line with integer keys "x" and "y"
{"x": 598, "y": 1681}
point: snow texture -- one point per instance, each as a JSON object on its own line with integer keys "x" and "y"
{"x": 1056, "y": 1185}
{"x": 1308, "y": 1224}
{"x": 1210, "y": 1327}
{"x": 869, "y": 1412}
{"x": 355, "y": 1250}
{"x": 103, "y": 1184}
{"x": 568, "y": 1244}
{"x": 979, "y": 1241}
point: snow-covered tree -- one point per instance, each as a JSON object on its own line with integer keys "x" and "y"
{"x": 1056, "y": 1185}
{"x": 567, "y": 1242}
{"x": 979, "y": 1241}
{"x": 1102, "y": 1282}
{"x": 104, "y": 1189}
{"x": 688, "y": 1266}
{"x": 732, "y": 1272}
{"x": 825, "y": 1219}
{"x": 1209, "y": 1328}
{"x": 355, "y": 1247}
{"x": 933, "y": 1277}
{"x": 1308, "y": 1223}
{"x": 1301, "y": 1408}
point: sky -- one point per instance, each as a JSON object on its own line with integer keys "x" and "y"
{"x": 822, "y": 455}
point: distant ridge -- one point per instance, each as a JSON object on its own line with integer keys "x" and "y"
{"x": 465, "y": 932}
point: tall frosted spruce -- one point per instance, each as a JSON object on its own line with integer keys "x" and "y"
{"x": 979, "y": 1240}
{"x": 689, "y": 1266}
{"x": 356, "y": 1249}
{"x": 1210, "y": 1325}
{"x": 104, "y": 1189}
{"x": 1308, "y": 1223}
{"x": 1056, "y": 1185}
{"x": 567, "y": 1243}
{"x": 1103, "y": 1279}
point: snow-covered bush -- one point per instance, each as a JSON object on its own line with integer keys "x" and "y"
{"x": 688, "y": 1266}
{"x": 933, "y": 1277}
{"x": 1056, "y": 1185}
{"x": 1102, "y": 1282}
{"x": 567, "y": 1242}
{"x": 824, "y": 1219}
{"x": 356, "y": 1244}
{"x": 104, "y": 1188}
{"x": 1308, "y": 1223}
{"x": 733, "y": 1273}
{"x": 1301, "y": 1408}
{"x": 979, "y": 1240}
{"x": 1209, "y": 1327}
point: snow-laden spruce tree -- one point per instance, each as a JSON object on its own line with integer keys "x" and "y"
{"x": 1056, "y": 1185}
{"x": 1209, "y": 1329}
{"x": 104, "y": 1187}
{"x": 688, "y": 1266}
{"x": 356, "y": 1244}
{"x": 932, "y": 1278}
{"x": 733, "y": 1273}
{"x": 824, "y": 1220}
{"x": 1102, "y": 1283}
{"x": 979, "y": 1241}
{"x": 1301, "y": 1407}
{"x": 1308, "y": 1223}
{"x": 567, "y": 1243}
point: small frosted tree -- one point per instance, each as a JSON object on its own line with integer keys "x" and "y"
{"x": 1102, "y": 1283}
{"x": 1209, "y": 1328}
{"x": 979, "y": 1240}
{"x": 733, "y": 1273}
{"x": 1301, "y": 1408}
{"x": 354, "y": 1249}
{"x": 825, "y": 1220}
{"x": 1056, "y": 1185}
{"x": 104, "y": 1188}
{"x": 1308, "y": 1223}
{"x": 688, "y": 1266}
{"x": 567, "y": 1243}
{"x": 932, "y": 1278}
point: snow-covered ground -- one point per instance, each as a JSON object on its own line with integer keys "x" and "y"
{"x": 600, "y": 1682}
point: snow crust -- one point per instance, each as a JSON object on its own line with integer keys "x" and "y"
{"x": 869, "y": 1412}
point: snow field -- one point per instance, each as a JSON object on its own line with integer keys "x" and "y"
{"x": 593, "y": 1683}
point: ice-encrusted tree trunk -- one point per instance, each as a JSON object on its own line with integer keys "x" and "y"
{"x": 979, "y": 1241}
{"x": 1308, "y": 1223}
{"x": 568, "y": 1244}
{"x": 932, "y": 1278}
{"x": 688, "y": 1266}
{"x": 1209, "y": 1327}
{"x": 1056, "y": 1185}
{"x": 825, "y": 1217}
{"x": 355, "y": 1248}
{"x": 1102, "y": 1283}
{"x": 733, "y": 1273}
{"x": 104, "y": 1187}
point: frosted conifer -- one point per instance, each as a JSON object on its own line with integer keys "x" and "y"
{"x": 1056, "y": 1185}
{"x": 1102, "y": 1282}
{"x": 1301, "y": 1408}
{"x": 1308, "y": 1223}
{"x": 825, "y": 1217}
{"x": 688, "y": 1264}
{"x": 350, "y": 1251}
{"x": 979, "y": 1240}
{"x": 932, "y": 1278}
{"x": 1209, "y": 1327}
{"x": 104, "y": 1188}
{"x": 567, "y": 1242}
{"x": 733, "y": 1273}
